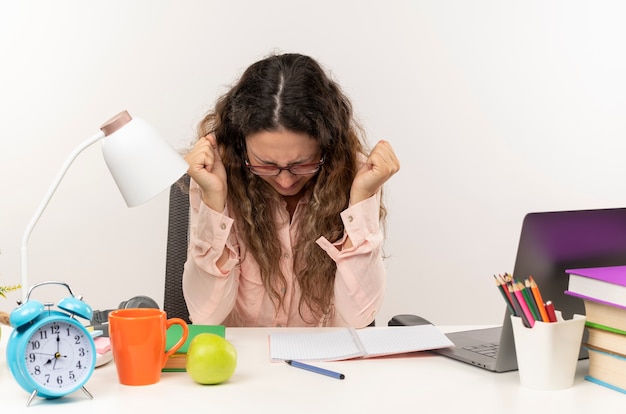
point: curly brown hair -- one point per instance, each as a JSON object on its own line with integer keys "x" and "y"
{"x": 292, "y": 92}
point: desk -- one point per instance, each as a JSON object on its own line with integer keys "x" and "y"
{"x": 421, "y": 382}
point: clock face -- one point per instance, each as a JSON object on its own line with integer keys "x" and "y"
{"x": 59, "y": 356}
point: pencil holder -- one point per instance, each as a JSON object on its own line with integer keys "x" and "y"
{"x": 547, "y": 354}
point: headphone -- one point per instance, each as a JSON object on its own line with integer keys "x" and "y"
{"x": 138, "y": 302}
{"x": 100, "y": 319}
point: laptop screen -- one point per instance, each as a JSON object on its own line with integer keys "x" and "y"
{"x": 551, "y": 242}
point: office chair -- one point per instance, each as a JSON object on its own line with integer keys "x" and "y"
{"x": 177, "y": 240}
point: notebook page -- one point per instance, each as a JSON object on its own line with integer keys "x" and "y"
{"x": 314, "y": 346}
{"x": 401, "y": 339}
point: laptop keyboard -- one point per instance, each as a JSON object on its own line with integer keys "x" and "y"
{"x": 488, "y": 350}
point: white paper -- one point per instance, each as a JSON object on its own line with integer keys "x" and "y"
{"x": 349, "y": 343}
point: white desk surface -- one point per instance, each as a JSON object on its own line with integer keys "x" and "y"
{"x": 418, "y": 383}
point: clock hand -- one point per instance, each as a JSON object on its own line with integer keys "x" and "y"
{"x": 49, "y": 355}
{"x": 56, "y": 358}
{"x": 57, "y": 355}
{"x": 43, "y": 353}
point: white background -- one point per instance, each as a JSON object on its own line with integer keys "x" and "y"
{"x": 495, "y": 108}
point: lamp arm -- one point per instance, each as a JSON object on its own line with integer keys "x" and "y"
{"x": 33, "y": 222}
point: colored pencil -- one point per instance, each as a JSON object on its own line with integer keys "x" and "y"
{"x": 519, "y": 312}
{"x": 503, "y": 279}
{"x": 550, "y": 311}
{"x": 538, "y": 299}
{"x": 504, "y": 291}
{"x": 520, "y": 298}
{"x": 518, "y": 307}
{"x": 530, "y": 301}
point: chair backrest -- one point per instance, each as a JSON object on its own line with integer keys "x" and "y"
{"x": 177, "y": 241}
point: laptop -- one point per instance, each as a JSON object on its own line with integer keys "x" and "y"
{"x": 550, "y": 243}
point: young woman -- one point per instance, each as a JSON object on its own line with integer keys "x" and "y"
{"x": 286, "y": 214}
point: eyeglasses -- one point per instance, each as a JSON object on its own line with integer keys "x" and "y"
{"x": 297, "y": 169}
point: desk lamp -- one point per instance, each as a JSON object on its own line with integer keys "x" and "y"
{"x": 141, "y": 163}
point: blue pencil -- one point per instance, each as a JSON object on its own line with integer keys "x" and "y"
{"x": 317, "y": 370}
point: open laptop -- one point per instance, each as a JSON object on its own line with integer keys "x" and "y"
{"x": 550, "y": 243}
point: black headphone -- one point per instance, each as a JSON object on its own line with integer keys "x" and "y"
{"x": 100, "y": 319}
{"x": 139, "y": 302}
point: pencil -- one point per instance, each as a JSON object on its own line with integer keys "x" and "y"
{"x": 518, "y": 308}
{"x": 503, "y": 280}
{"x": 505, "y": 294}
{"x": 538, "y": 299}
{"x": 529, "y": 301}
{"x": 550, "y": 311}
{"x": 520, "y": 298}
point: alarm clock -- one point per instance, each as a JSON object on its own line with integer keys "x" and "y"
{"x": 49, "y": 352}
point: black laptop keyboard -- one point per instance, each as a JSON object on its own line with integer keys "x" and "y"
{"x": 489, "y": 350}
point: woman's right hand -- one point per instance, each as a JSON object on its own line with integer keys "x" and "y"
{"x": 206, "y": 169}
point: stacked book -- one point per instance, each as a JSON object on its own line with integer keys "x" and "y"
{"x": 603, "y": 290}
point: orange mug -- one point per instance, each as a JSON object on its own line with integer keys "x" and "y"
{"x": 138, "y": 343}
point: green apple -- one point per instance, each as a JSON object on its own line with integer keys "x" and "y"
{"x": 211, "y": 359}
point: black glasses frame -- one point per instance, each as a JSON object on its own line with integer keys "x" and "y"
{"x": 274, "y": 170}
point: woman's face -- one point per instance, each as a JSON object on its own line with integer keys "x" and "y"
{"x": 283, "y": 149}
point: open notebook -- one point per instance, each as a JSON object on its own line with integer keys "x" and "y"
{"x": 348, "y": 343}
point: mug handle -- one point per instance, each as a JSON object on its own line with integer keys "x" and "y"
{"x": 181, "y": 341}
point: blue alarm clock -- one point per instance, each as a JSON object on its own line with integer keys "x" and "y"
{"x": 50, "y": 353}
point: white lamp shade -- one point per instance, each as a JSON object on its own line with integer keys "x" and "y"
{"x": 141, "y": 162}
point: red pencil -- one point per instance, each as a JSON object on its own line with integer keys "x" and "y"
{"x": 551, "y": 312}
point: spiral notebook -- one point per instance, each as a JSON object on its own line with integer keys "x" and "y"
{"x": 348, "y": 343}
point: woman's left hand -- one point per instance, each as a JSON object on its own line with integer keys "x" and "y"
{"x": 379, "y": 167}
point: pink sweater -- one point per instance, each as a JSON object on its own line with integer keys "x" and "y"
{"x": 234, "y": 294}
